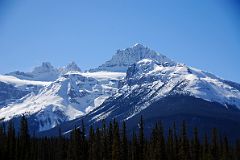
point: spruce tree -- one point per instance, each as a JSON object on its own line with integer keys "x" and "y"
{"x": 205, "y": 149}
{"x": 84, "y": 146}
{"x": 141, "y": 139}
{"x": 184, "y": 144}
{"x": 237, "y": 149}
{"x": 71, "y": 147}
{"x": 124, "y": 145}
{"x": 61, "y": 146}
{"x": 175, "y": 142}
{"x": 91, "y": 146}
{"x": 98, "y": 144}
{"x": 196, "y": 146}
{"x": 215, "y": 145}
{"x": 116, "y": 142}
{"x": 134, "y": 147}
{"x": 105, "y": 144}
{"x": 110, "y": 140}
{"x": 226, "y": 151}
{"x": 170, "y": 146}
{"x": 158, "y": 143}
{"x": 24, "y": 139}
{"x": 11, "y": 141}
{"x": 2, "y": 142}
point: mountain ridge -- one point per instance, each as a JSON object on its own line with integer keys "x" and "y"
{"x": 45, "y": 72}
{"x": 137, "y": 77}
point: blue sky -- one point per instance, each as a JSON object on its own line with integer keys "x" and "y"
{"x": 204, "y": 34}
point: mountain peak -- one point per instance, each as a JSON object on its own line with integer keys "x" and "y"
{"x": 45, "y": 67}
{"x": 44, "y": 72}
{"x": 70, "y": 67}
{"x": 126, "y": 57}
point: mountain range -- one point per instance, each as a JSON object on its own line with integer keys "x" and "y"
{"x": 135, "y": 81}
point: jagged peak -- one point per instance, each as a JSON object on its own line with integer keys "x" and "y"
{"x": 136, "y": 48}
{"x": 45, "y": 67}
{"x": 123, "y": 58}
{"x": 72, "y": 66}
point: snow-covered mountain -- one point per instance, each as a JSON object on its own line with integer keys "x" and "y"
{"x": 179, "y": 79}
{"x": 70, "y": 96}
{"x": 124, "y": 58}
{"x": 136, "y": 81}
{"x": 149, "y": 81}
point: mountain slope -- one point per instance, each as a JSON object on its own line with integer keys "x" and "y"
{"x": 13, "y": 89}
{"x": 67, "y": 98}
{"x": 172, "y": 109}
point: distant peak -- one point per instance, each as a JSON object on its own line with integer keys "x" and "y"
{"x": 70, "y": 67}
{"x": 46, "y": 65}
{"x": 73, "y": 66}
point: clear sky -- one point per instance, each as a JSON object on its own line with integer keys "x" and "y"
{"x": 201, "y": 33}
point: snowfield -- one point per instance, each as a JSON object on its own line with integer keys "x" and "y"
{"x": 21, "y": 82}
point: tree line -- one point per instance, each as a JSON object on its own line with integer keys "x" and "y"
{"x": 110, "y": 142}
